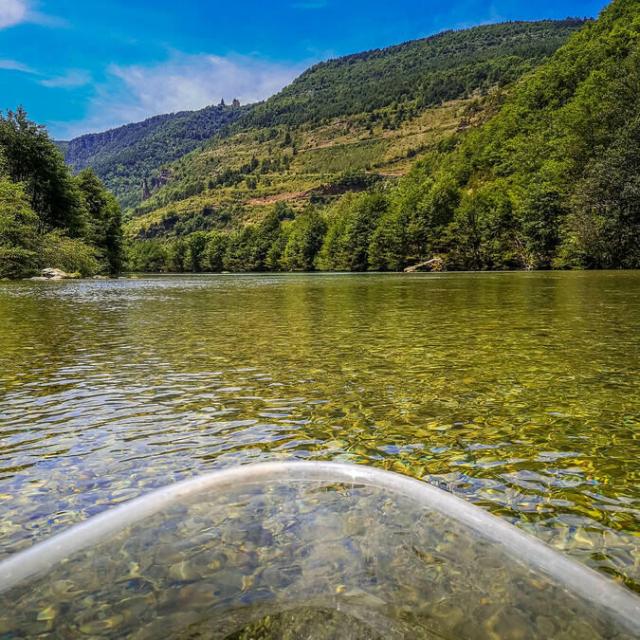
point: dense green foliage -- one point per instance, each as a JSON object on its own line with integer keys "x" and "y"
{"x": 278, "y": 243}
{"x": 127, "y": 156}
{"x": 552, "y": 180}
{"x": 134, "y": 160}
{"x": 429, "y": 71}
{"x": 104, "y": 220}
{"x": 48, "y": 218}
{"x": 19, "y": 242}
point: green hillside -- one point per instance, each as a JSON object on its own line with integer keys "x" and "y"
{"x": 126, "y": 156}
{"x": 545, "y": 174}
{"x": 428, "y": 72}
{"x": 293, "y": 150}
{"x": 416, "y": 74}
{"x": 551, "y": 181}
{"x": 238, "y": 178}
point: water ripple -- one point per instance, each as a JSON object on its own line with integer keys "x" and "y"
{"x": 518, "y": 392}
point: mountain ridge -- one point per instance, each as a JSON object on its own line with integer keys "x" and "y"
{"x": 123, "y": 167}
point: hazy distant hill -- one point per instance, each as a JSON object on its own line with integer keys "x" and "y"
{"x": 124, "y": 156}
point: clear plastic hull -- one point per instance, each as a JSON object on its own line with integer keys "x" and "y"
{"x": 305, "y": 550}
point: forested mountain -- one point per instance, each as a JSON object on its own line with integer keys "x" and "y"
{"x": 49, "y": 218}
{"x": 548, "y": 177}
{"x": 407, "y": 78}
{"x": 393, "y": 105}
{"x": 127, "y": 156}
{"x": 428, "y": 72}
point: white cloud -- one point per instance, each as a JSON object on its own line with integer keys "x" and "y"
{"x": 184, "y": 82}
{"x": 13, "y": 12}
{"x": 14, "y": 65}
{"x": 70, "y": 80}
{"x": 193, "y": 82}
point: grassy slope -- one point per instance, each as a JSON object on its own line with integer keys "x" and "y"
{"x": 323, "y": 152}
{"x": 381, "y": 135}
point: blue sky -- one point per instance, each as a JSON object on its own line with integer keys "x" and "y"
{"x": 87, "y": 65}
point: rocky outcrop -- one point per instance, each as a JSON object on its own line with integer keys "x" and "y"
{"x": 435, "y": 265}
{"x": 152, "y": 184}
{"x": 49, "y": 274}
{"x": 146, "y": 191}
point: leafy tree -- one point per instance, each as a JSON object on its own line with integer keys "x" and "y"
{"x": 177, "y": 256}
{"x": 69, "y": 254}
{"x": 274, "y": 260}
{"x": 50, "y": 218}
{"x": 351, "y": 226}
{"x": 32, "y": 159}
{"x": 214, "y": 252}
{"x": 104, "y": 220}
{"x": 240, "y": 254}
{"x": 264, "y": 236}
{"x": 20, "y": 243}
{"x": 388, "y": 245}
{"x": 148, "y": 256}
{"x": 304, "y": 242}
{"x": 542, "y": 211}
{"x": 114, "y": 241}
{"x": 604, "y": 227}
{"x": 195, "y": 259}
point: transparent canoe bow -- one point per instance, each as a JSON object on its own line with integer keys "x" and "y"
{"x": 305, "y": 550}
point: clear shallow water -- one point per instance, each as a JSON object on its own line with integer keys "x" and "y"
{"x": 519, "y": 392}
{"x": 319, "y": 551}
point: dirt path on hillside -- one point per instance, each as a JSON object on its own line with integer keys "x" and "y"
{"x": 278, "y": 197}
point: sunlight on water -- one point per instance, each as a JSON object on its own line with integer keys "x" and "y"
{"x": 518, "y": 392}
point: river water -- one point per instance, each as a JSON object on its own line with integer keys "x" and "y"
{"x": 518, "y": 392}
